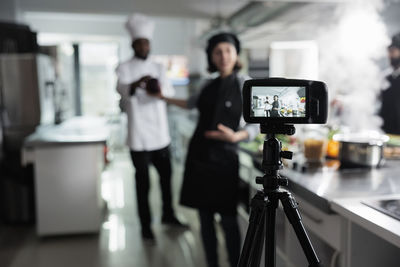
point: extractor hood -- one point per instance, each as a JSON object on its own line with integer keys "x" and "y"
{"x": 267, "y": 17}
{"x": 256, "y": 13}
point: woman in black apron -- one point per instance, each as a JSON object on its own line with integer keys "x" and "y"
{"x": 212, "y": 167}
{"x": 275, "y": 107}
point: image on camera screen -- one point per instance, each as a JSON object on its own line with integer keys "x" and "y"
{"x": 278, "y": 101}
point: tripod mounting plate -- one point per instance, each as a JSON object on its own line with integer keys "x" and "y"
{"x": 273, "y": 128}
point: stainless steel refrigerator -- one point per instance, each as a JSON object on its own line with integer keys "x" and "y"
{"x": 27, "y": 89}
{"x": 26, "y": 97}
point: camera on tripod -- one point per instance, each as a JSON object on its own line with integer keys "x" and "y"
{"x": 276, "y": 104}
{"x": 282, "y": 101}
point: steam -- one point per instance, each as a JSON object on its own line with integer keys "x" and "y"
{"x": 349, "y": 51}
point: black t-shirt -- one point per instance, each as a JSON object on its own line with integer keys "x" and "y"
{"x": 390, "y": 108}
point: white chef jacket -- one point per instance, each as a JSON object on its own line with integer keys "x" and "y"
{"x": 147, "y": 115}
{"x": 267, "y": 106}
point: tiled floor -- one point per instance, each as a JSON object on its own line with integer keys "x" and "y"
{"x": 119, "y": 242}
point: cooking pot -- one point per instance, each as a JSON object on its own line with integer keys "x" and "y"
{"x": 361, "y": 150}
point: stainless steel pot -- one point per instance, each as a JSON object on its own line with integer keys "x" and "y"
{"x": 361, "y": 150}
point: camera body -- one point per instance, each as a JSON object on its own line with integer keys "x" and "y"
{"x": 282, "y": 101}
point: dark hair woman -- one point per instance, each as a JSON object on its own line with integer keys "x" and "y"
{"x": 212, "y": 168}
{"x": 276, "y": 106}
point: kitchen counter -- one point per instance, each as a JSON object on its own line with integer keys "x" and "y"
{"x": 323, "y": 186}
{"x": 68, "y": 162}
{"x": 77, "y": 130}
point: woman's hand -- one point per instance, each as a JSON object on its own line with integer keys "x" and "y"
{"x": 226, "y": 134}
{"x": 182, "y": 103}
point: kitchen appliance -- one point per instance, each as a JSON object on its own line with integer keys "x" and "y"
{"x": 26, "y": 100}
{"x": 361, "y": 149}
{"x": 27, "y": 96}
{"x": 390, "y": 207}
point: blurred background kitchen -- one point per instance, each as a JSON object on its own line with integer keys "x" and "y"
{"x": 67, "y": 193}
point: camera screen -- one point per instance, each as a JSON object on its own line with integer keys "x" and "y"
{"x": 278, "y": 101}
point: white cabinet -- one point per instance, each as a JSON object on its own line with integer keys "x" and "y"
{"x": 373, "y": 238}
{"x": 67, "y": 188}
{"x": 68, "y": 162}
{"x": 326, "y": 232}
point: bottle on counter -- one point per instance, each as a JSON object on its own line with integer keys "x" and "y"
{"x": 315, "y": 141}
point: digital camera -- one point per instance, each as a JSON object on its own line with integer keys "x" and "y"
{"x": 283, "y": 101}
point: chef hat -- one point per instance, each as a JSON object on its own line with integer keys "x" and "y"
{"x": 140, "y": 26}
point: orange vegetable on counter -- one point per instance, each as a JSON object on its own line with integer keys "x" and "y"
{"x": 332, "y": 149}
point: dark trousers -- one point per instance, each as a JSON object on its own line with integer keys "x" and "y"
{"x": 162, "y": 162}
{"x": 232, "y": 237}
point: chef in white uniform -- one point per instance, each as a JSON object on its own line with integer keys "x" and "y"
{"x": 148, "y": 134}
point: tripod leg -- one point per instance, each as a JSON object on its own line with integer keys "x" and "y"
{"x": 258, "y": 243}
{"x": 256, "y": 222}
{"x": 292, "y": 213}
{"x": 270, "y": 240}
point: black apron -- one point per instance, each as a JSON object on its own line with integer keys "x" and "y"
{"x": 212, "y": 167}
{"x": 275, "y": 113}
{"x": 390, "y": 108}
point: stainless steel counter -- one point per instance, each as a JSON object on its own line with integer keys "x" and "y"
{"x": 323, "y": 186}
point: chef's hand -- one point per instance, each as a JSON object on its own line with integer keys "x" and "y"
{"x": 157, "y": 95}
{"x": 224, "y": 134}
{"x": 144, "y": 79}
{"x": 139, "y": 83}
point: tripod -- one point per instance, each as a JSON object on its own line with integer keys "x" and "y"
{"x": 265, "y": 202}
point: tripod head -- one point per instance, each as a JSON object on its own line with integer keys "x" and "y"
{"x": 272, "y": 154}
